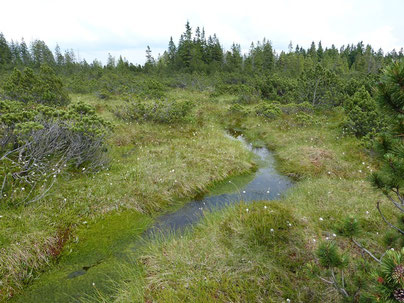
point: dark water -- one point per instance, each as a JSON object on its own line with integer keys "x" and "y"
{"x": 74, "y": 282}
{"x": 267, "y": 184}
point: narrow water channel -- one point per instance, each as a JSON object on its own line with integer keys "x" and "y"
{"x": 266, "y": 184}
{"x": 73, "y": 282}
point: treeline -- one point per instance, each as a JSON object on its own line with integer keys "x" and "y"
{"x": 196, "y": 53}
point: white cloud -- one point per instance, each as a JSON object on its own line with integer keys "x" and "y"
{"x": 97, "y": 28}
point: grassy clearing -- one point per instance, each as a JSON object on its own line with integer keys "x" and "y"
{"x": 233, "y": 257}
{"x": 153, "y": 167}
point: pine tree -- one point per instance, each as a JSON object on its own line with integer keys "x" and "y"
{"x": 390, "y": 178}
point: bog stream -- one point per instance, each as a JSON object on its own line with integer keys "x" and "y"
{"x": 76, "y": 280}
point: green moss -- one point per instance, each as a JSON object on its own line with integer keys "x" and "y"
{"x": 92, "y": 257}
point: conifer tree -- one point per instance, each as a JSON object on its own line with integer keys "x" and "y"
{"x": 41, "y": 54}
{"x": 58, "y": 56}
{"x": 312, "y": 52}
{"x": 15, "y": 53}
{"x": 5, "y": 53}
{"x": 268, "y": 56}
{"x": 150, "y": 62}
{"x": 390, "y": 178}
{"x": 172, "y": 52}
{"x": 24, "y": 54}
{"x": 185, "y": 46}
{"x": 320, "y": 51}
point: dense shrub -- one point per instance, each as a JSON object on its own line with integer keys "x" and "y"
{"x": 43, "y": 87}
{"x": 38, "y": 142}
{"x": 352, "y": 85}
{"x": 362, "y": 115}
{"x": 277, "y": 88}
{"x": 268, "y": 110}
{"x": 321, "y": 87}
{"x": 151, "y": 88}
{"x": 303, "y": 119}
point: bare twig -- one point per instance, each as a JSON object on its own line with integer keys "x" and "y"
{"x": 396, "y": 204}
{"x": 43, "y": 193}
{"x": 334, "y": 283}
{"x": 385, "y": 220}
{"x": 340, "y": 289}
{"x": 366, "y": 251}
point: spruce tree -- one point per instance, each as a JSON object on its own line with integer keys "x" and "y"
{"x": 58, "y": 56}
{"x": 25, "y": 54}
{"x": 172, "y": 52}
{"x": 41, "y": 54}
{"x": 5, "y": 53}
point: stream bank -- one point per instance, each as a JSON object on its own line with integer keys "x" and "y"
{"x": 116, "y": 239}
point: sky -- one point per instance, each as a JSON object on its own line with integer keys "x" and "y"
{"x": 95, "y": 28}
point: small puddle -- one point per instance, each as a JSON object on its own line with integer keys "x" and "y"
{"x": 264, "y": 184}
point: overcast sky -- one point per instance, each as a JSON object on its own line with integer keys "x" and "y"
{"x": 95, "y": 28}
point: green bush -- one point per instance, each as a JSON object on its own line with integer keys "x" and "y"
{"x": 43, "y": 87}
{"x": 152, "y": 89}
{"x": 268, "y": 110}
{"x": 277, "y": 88}
{"x": 362, "y": 115}
{"x": 238, "y": 110}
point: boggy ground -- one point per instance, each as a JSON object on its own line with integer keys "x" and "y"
{"x": 153, "y": 167}
{"x": 232, "y": 255}
{"x": 265, "y": 251}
